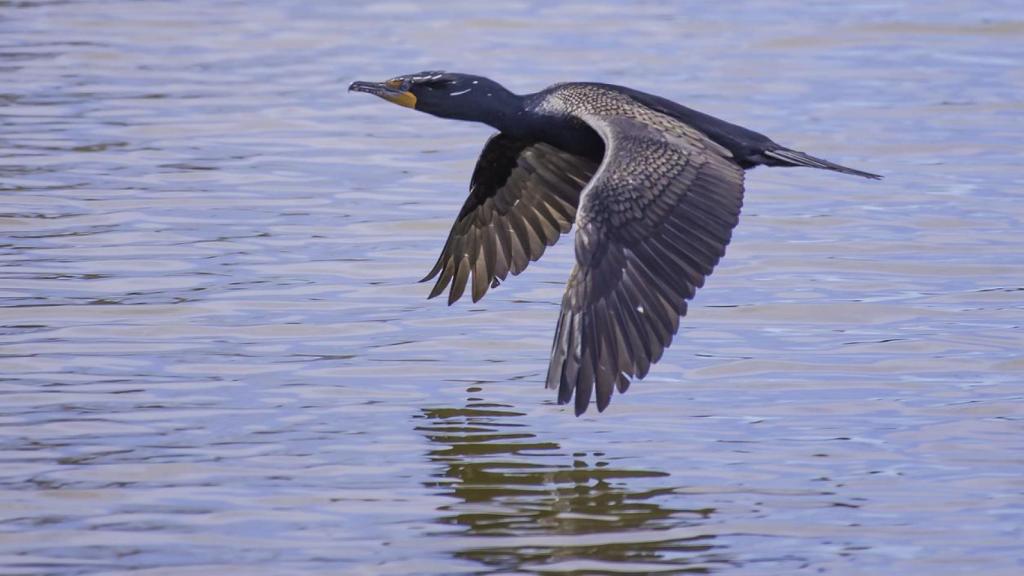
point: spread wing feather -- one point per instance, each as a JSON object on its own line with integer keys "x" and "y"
{"x": 652, "y": 224}
{"x": 522, "y": 197}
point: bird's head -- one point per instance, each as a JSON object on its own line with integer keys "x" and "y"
{"x": 444, "y": 94}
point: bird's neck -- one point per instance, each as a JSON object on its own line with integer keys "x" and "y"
{"x": 516, "y": 116}
{"x": 504, "y": 111}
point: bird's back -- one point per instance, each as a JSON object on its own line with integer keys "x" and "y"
{"x": 570, "y": 98}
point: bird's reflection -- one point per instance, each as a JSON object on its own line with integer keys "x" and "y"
{"x": 590, "y": 516}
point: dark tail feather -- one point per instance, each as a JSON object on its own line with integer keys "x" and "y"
{"x": 787, "y": 157}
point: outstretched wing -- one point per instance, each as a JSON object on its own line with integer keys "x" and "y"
{"x": 652, "y": 224}
{"x": 522, "y": 197}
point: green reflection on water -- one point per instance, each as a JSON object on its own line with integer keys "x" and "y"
{"x": 527, "y": 504}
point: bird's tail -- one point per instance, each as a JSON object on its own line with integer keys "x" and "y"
{"x": 785, "y": 157}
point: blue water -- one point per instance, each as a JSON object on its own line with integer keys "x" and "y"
{"x": 215, "y": 356}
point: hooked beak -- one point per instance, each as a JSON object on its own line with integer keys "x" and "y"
{"x": 392, "y": 91}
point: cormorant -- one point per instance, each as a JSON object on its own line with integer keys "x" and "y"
{"x": 653, "y": 187}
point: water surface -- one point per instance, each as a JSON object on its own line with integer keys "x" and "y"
{"x": 215, "y": 357}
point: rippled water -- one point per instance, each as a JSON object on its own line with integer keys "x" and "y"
{"x": 215, "y": 357}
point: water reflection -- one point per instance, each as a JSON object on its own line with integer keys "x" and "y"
{"x": 544, "y": 508}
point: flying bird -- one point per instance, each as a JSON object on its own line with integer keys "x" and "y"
{"x": 654, "y": 189}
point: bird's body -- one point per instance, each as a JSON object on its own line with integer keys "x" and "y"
{"x": 654, "y": 189}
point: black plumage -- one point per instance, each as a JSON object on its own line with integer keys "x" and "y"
{"x": 654, "y": 189}
{"x": 522, "y": 197}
